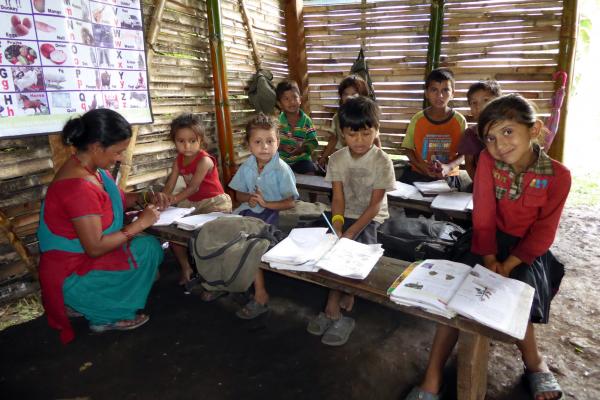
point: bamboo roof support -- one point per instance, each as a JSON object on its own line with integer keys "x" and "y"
{"x": 568, "y": 40}
{"x": 219, "y": 70}
{"x": 153, "y": 30}
{"x": 248, "y": 22}
{"x": 296, "y": 45}
{"x": 436, "y": 26}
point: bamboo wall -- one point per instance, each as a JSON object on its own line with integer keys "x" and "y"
{"x": 512, "y": 41}
{"x": 180, "y": 81}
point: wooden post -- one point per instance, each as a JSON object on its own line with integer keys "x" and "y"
{"x": 153, "y": 30}
{"x": 16, "y": 243}
{"x": 60, "y": 152}
{"x": 296, "y": 46}
{"x": 219, "y": 71}
{"x": 436, "y": 26}
{"x": 473, "y": 353}
{"x": 568, "y": 40}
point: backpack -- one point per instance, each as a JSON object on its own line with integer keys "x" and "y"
{"x": 227, "y": 251}
{"x": 360, "y": 67}
{"x": 261, "y": 92}
{"x": 420, "y": 238}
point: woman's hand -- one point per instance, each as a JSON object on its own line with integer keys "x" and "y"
{"x": 148, "y": 216}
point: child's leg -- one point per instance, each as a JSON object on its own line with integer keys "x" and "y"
{"x": 260, "y": 291}
{"x": 443, "y": 343}
{"x": 182, "y": 258}
{"x": 332, "y": 309}
{"x": 347, "y": 302}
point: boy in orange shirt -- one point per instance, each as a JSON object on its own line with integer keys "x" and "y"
{"x": 433, "y": 134}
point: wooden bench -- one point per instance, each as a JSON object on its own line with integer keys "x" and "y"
{"x": 473, "y": 340}
{"x": 317, "y": 185}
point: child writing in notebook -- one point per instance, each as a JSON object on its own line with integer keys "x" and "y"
{"x": 351, "y": 86}
{"x": 433, "y": 134}
{"x": 264, "y": 185}
{"x": 360, "y": 174}
{"x": 198, "y": 169}
{"x": 519, "y": 194}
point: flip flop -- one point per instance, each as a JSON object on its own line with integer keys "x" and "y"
{"x": 319, "y": 324}
{"x": 251, "y": 310}
{"x": 419, "y": 394}
{"x": 208, "y": 296}
{"x": 124, "y": 325}
{"x": 339, "y": 332}
{"x": 542, "y": 382}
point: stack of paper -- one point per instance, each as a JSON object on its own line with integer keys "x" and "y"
{"x": 351, "y": 259}
{"x": 194, "y": 222}
{"x": 301, "y": 250}
{"x": 172, "y": 214}
{"x": 453, "y": 201}
{"x": 434, "y": 187}
{"x": 405, "y": 191}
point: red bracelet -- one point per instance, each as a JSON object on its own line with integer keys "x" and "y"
{"x": 128, "y": 235}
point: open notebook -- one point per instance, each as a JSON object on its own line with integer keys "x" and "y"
{"x": 448, "y": 288}
{"x": 172, "y": 214}
{"x": 311, "y": 249}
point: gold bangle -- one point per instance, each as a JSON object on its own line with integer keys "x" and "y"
{"x": 337, "y": 217}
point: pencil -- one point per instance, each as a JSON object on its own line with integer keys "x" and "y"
{"x": 329, "y": 224}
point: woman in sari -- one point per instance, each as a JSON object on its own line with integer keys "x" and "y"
{"x": 91, "y": 264}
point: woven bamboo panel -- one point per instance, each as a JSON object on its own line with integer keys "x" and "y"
{"x": 514, "y": 42}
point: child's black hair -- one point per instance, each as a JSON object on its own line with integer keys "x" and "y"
{"x": 359, "y": 113}
{"x": 440, "y": 75}
{"x": 103, "y": 125}
{"x": 510, "y": 107}
{"x": 356, "y": 82}
{"x": 188, "y": 120}
{"x": 284, "y": 86}
{"x": 490, "y": 86}
{"x": 261, "y": 121}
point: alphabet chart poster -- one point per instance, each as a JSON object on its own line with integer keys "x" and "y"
{"x": 61, "y": 58}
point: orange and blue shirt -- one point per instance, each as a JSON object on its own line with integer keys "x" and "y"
{"x": 435, "y": 140}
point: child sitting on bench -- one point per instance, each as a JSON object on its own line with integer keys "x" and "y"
{"x": 360, "y": 174}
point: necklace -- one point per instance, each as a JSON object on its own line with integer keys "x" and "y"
{"x": 95, "y": 174}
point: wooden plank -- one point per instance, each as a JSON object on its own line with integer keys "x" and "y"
{"x": 473, "y": 354}
{"x": 296, "y": 45}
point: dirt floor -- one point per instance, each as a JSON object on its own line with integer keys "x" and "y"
{"x": 191, "y": 349}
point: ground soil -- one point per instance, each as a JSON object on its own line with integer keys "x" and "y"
{"x": 195, "y": 350}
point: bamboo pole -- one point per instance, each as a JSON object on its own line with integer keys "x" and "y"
{"x": 568, "y": 40}
{"x": 219, "y": 70}
{"x": 16, "y": 243}
{"x": 436, "y": 26}
{"x": 248, "y": 23}
{"x": 153, "y": 30}
{"x": 296, "y": 46}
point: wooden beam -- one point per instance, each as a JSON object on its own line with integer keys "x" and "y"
{"x": 473, "y": 354}
{"x": 566, "y": 59}
{"x": 60, "y": 152}
{"x": 296, "y": 46}
{"x": 248, "y": 22}
{"x": 15, "y": 242}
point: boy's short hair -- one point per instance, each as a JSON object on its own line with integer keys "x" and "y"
{"x": 489, "y": 85}
{"x": 440, "y": 75}
{"x": 284, "y": 86}
{"x": 261, "y": 121}
{"x": 356, "y": 82}
{"x": 358, "y": 113}
{"x": 187, "y": 120}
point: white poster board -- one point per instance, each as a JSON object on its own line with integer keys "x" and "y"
{"x": 60, "y": 58}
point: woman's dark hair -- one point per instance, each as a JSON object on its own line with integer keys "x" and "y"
{"x": 491, "y": 86}
{"x": 284, "y": 86}
{"x": 356, "y": 82}
{"x": 510, "y": 107}
{"x": 102, "y": 125}
{"x": 261, "y": 121}
{"x": 359, "y": 113}
{"x": 188, "y": 120}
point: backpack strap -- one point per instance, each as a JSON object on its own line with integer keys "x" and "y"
{"x": 252, "y": 242}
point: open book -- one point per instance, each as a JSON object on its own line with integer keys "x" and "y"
{"x": 311, "y": 249}
{"x": 193, "y": 222}
{"x": 448, "y": 288}
{"x": 433, "y": 187}
{"x": 172, "y": 214}
{"x": 453, "y": 201}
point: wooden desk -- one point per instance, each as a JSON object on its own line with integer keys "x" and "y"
{"x": 473, "y": 340}
{"x": 317, "y": 184}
